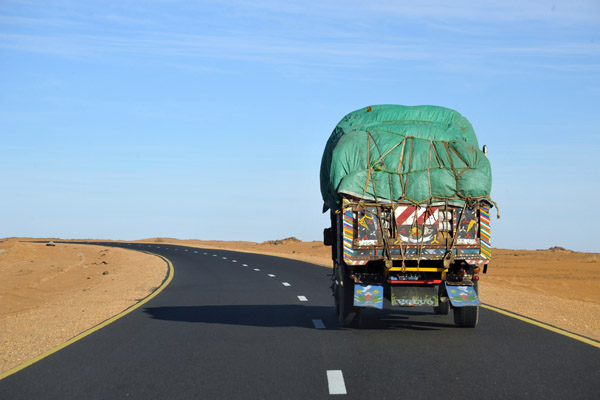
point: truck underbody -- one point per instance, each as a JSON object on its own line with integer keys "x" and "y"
{"x": 410, "y": 254}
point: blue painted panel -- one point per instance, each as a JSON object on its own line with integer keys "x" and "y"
{"x": 462, "y": 296}
{"x": 368, "y": 296}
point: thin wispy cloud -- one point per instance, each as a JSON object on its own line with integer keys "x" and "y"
{"x": 352, "y": 54}
{"x": 127, "y": 20}
{"x": 8, "y": 22}
{"x": 353, "y": 34}
{"x": 572, "y": 13}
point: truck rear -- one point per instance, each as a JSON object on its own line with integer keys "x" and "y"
{"x": 409, "y": 197}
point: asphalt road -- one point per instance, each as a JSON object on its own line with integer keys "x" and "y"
{"x": 247, "y": 326}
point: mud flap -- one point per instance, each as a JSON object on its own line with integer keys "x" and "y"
{"x": 368, "y": 296}
{"x": 462, "y": 296}
{"x": 411, "y": 296}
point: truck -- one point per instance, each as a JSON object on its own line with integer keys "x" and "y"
{"x": 408, "y": 192}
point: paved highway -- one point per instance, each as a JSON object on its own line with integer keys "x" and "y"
{"x": 247, "y": 326}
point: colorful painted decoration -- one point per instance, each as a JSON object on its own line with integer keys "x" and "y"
{"x": 348, "y": 232}
{"x": 368, "y": 296}
{"x": 421, "y": 232}
{"x": 462, "y": 296}
{"x": 485, "y": 231}
{"x": 466, "y": 232}
{"x": 369, "y": 231}
{"x": 416, "y": 224}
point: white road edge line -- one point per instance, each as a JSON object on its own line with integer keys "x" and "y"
{"x": 318, "y": 324}
{"x": 335, "y": 380}
{"x": 285, "y": 284}
{"x": 302, "y": 298}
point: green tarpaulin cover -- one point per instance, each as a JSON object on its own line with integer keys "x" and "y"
{"x": 416, "y": 154}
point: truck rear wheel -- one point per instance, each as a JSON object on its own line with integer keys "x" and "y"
{"x": 443, "y": 307}
{"x": 348, "y": 315}
{"x": 467, "y": 317}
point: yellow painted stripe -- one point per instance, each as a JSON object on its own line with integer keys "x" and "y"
{"x": 83, "y": 334}
{"x": 418, "y": 269}
{"x": 554, "y": 329}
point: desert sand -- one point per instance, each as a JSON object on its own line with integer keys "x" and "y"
{"x": 50, "y": 294}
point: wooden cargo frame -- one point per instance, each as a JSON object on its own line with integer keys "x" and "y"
{"x": 399, "y": 232}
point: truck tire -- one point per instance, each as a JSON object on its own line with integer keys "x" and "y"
{"x": 467, "y": 317}
{"x": 336, "y": 296}
{"x": 348, "y": 315}
{"x": 443, "y": 308}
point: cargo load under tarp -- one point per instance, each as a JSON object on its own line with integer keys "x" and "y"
{"x": 420, "y": 154}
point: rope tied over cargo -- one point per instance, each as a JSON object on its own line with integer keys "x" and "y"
{"x": 379, "y": 165}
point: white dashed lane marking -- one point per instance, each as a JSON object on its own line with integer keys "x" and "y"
{"x": 256, "y": 269}
{"x": 285, "y": 284}
{"x": 318, "y": 324}
{"x": 302, "y": 298}
{"x": 272, "y": 276}
{"x": 335, "y": 380}
{"x": 233, "y": 260}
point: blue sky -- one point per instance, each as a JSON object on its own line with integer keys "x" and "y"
{"x": 207, "y": 120}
